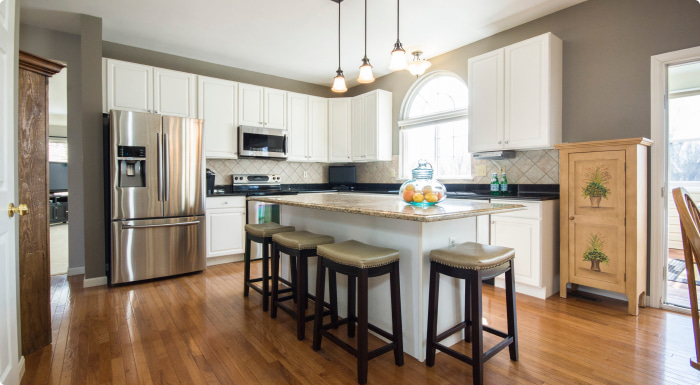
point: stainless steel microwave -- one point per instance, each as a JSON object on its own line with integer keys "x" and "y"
{"x": 258, "y": 142}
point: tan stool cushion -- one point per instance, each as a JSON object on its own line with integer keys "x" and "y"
{"x": 358, "y": 254}
{"x": 473, "y": 256}
{"x": 302, "y": 240}
{"x": 267, "y": 229}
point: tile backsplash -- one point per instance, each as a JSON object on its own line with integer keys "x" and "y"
{"x": 528, "y": 167}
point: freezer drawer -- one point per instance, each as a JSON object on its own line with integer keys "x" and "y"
{"x": 152, "y": 248}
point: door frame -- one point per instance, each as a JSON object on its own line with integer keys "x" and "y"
{"x": 659, "y": 169}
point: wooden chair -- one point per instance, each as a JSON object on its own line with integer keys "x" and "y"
{"x": 690, "y": 222}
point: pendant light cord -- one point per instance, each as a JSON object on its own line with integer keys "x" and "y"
{"x": 397, "y": 19}
{"x": 365, "y": 29}
{"x": 339, "y": 36}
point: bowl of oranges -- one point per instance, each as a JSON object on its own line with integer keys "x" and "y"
{"x": 423, "y": 190}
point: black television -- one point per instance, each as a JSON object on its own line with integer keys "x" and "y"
{"x": 58, "y": 177}
{"x": 341, "y": 176}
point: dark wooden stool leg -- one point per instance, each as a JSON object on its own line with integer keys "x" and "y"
{"x": 320, "y": 292}
{"x": 306, "y": 284}
{"x": 512, "y": 321}
{"x": 293, "y": 270}
{"x": 301, "y": 297}
{"x": 266, "y": 272}
{"x": 362, "y": 327}
{"x": 433, "y": 295}
{"x": 246, "y": 266}
{"x": 396, "y": 324}
{"x": 333, "y": 287}
{"x": 467, "y": 312}
{"x": 477, "y": 329}
{"x": 352, "y": 292}
{"x": 275, "y": 280}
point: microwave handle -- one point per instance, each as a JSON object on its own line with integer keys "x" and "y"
{"x": 284, "y": 144}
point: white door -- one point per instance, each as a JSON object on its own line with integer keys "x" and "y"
{"x": 174, "y": 93}
{"x": 275, "y": 109}
{"x": 318, "y": 129}
{"x": 339, "y": 130}
{"x": 486, "y": 80}
{"x": 129, "y": 86}
{"x": 527, "y": 93}
{"x": 250, "y": 105}
{"x": 357, "y": 145}
{"x": 217, "y": 106}
{"x": 370, "y": 151}
{"x": 9, "y": 339}
{"x": 225, "y": 232}
{"x": 298, "y": 127}
{"x": 523, "y": 235}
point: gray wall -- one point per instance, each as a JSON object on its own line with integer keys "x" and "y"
{"x": 607, "y": 49}
{"x": 179, "y": 63}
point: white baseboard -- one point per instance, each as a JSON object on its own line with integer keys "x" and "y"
{"x": 75, "y": 271}
{"x": 21, "y": 369}
{"x": 212, "y": 261}
{"x": 92, "y": 282}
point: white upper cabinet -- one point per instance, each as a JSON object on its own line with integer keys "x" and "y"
{"x": 250, "y": 105}
{"x": 357, "y": 122}
{"x": 174, "y": 93}
{"x": 318, "y": 129}
{"x": 129, "y": 86}
{"x": 371, "y": 126}
{"x": 339, "y": 138}
{"x": 275, "y": 109}
{"x": 217, "y": 106}
{"x": 298, "y": 124}
{"x": 515, "y": 96}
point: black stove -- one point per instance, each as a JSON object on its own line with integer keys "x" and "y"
{"x": 258, "y": 185}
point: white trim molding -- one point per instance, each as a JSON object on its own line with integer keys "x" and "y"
{"x": 92, "y": 282}
{"x": 659, "y": 169}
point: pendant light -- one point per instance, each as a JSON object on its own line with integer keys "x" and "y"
{"x": 418, "y": 65}
{"x": 366, "y": 75}
{"x": 398, "y": 55}
{"x": 339, "y": 80}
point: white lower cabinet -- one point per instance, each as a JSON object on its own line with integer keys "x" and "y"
{"x": 534, "y": 235}
{"x": 225, "y": 229}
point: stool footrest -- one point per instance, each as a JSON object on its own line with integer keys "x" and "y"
{"x": 348, "y": 348}
{"x": 499, "y": 346}
{"x": 337, "y": 324}
{"x": 453, "y": 353}
{"x": 379, "y": 331}
{"x": 293, "y": 313}
{"x": 259, "y": 290}
{"x": 253, "y": 280}
{"x": 495, "y": 332}
{"x": 451, "y": 331}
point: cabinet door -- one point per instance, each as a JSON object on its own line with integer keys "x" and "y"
{"x": 523, "y": 235}
{"x": 174, "y": 93}
{"x": 486, "y": 102}
{"x": 339, "y": 130}
{"x": 357, "y": 145}
{"x": 217, "y": 106}
{"x": 225, "y": 232}
{"x": 596, "y": 209}
{"x": 527, "y": 93}
{"x": 275, "y": 109}
{"x": 370, "y": 129}
{"x": 317, "y": 137}
{"x": 129, "y": 86}
{"x": 298, "y": 127}
{"x": 250, "y": 105}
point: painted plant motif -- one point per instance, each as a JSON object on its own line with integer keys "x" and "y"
{"x": 594, "y": 251}
{"x": 596, "y": 184}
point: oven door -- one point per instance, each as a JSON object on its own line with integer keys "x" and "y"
{"x": 262, "y": 142}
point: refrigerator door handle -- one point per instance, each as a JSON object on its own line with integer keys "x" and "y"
{"x": 126, "y": 227}
{"x": 160, "y": 167}
{"x": 166, "y": 157}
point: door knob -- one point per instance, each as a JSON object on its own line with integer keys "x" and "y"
{"x": 571, "y": 218}
{"x": 21, "y": 210}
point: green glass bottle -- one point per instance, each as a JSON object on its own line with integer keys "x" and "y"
{"x": 495, "y": 187}
{"x": 504, "y": 184}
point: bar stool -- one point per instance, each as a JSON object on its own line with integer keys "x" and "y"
{"x": 299, "y": 245}
{"x": 359, "y": 261}
{"x": 260, "y": 233}
{"x": 473, "y": 262}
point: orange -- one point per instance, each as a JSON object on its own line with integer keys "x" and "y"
{"x": 409, "y": 187}
{"x": 430, "y": 197}
{"x": 427, "y": 190}
{"x": 408, "y": 195}
{"x": 439, "y": 196}
{"x": 418, "y": 197}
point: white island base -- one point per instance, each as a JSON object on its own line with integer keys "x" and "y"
{"x": 414, "y": 240}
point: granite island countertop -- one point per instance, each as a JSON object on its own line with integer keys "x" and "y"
{"x": 389, "y": 206}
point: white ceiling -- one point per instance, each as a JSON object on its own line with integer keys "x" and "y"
{"x": 293, "y": 39}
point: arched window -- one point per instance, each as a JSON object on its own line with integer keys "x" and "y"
{"x": 434, "y": 126}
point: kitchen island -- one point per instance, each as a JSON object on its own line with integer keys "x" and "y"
{"x": 386, "y": 221}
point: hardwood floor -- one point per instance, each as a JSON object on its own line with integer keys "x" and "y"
{"x": 677, "y": 292}
{"x": 198, "y": 329}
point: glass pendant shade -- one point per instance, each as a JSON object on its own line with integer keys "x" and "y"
{"x": 339, "y": 82}
{"x": 366, "y": 75}
{"x": 418, "y": 65}
{"x": 398, "y": 58}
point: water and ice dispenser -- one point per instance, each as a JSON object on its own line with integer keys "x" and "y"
{"x": 131, "y": 161}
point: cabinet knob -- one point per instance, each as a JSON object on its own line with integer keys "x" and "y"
{"x": 571, "y": 218}
{"x": 499, "y": 142}
{"x": 506, "y": 142}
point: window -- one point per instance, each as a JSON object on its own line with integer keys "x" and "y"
{"x": 58, "y": 149}
{"x": 684, "y": 139}
{"x": 434, "y": 127}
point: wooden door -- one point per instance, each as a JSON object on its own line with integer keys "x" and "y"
{"x": 486, "y": 81}
{"x": 250, "y": 105}
{"x": 129, "y": 86}
{"x": 33, "y": 182}
{"x": 217, "y": 106}
{"x": 10, "y": 357}
{"x": 318, "y": 129}
{"x": 339, "y": 130}
{"x": 596, "y": 199}
{"x": 298, "y": 127}
{"x": 275, "y": 109}
{"x": 174, "y": 93}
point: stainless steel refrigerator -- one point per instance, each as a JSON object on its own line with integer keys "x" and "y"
{"x": 157, "y": 196}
